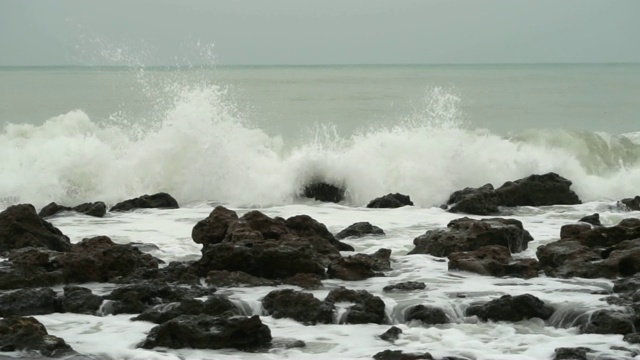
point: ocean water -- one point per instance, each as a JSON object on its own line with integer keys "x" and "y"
{"x": 252, "y": 137}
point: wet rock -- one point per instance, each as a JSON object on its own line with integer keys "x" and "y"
{"x": 405, "y": 286}
{"x": 631, "y": 204}
{"x": 325, "y": 192}
{"x": 392, "y": 334}
{"x": 399, "y": 355}
{"x": 593, "y": 219}
{"x": 633, "y": 338}
{"x": 608, "y": 322}
{"x": 208, "y": 332}
{"x": 570, "y": 231}
{"x": 216, "y": 305}
{"x": 366, "y": 309}
{"x": 28, "y": 334}
{"x": 511, "y": 308}
{"x": 302, "y": 307}
{"x": 537, "y": 190}
{"x": 493, "y": 260}
{"x": 359, "y": 229}
{"x": 213, "y": 229}
{"x": 305, "y": 227}
{"x": 627, "y": 285}
{"x": 305, "y": 281}
{"x": 223, "y": 278}
{"x": 21, "y": 227}
{"x": 135, "y": 299}
{"x": 360, "y": 266}
{"x": 24, "y": 302}
{"x": 390, "y": 201}
{"x": 80, "y": 300}
{"x": 577, "y": 353}
{"x": 95, "y": 209}
{"x": 155, "y": 201}
{"x": 467, "y": 234}
{"x": 30, "y": 267}
{"x": 477, "y": 201}
{"x": 429, "y": 315}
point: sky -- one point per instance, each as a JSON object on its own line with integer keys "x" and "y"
{"x": 263, "y": 32}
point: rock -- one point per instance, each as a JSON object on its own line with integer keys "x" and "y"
{"x": 467, "y": 234}
{"x": 429, "y": 315}
{"x": 593, "y": 219}
{"x": 405, "y": 286}
{"x": 80, "y": 300}
{"x": 392, "y": 334}
{"x": 399, "y": 355}
{"x": 366, "y": 309}
{"x": 223, "y": 278}
{"x": 30, "y": 267}
{"x": 28, "y": 334}
{"x": 96, "y": 209}
{"x": 135, "y": 299}
{"x": 391, "y": 201}
{"x": 631, "y": 204}
{"x": 302, "y": 307}
{"x": 20, "y": 227}
{"x": 216, "y": 305}
{"x": 537, "y": 190}
{"x": 493, "y": 260}
{"x": 359, "y": 229}
{"x": 208, "y": 332}
{"x": 633, "y": 338}
{"x": 608, "y": 322}
{"x": 577, "y": 353}
{"x": 511, "y": 308}
{"x": 360, "y": 266}
{"x": 155, "y": 201}
{"x": 213, "y": 229}
{"x": 305, "y": 281}
{"x": 325, "y": 192}
{"x": 570, "y": 231}
{"x": 477, "y": 201}
{"x": 308, "y": 228}
{"x": 24, "y": 302}
{"x": 627, "y": 285}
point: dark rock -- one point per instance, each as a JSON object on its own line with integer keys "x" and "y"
{"x": 570, "y": 231}
{"x": 399, "y": 355}
{"x": 135, "y": 299}
{"x": 302, "y": 307}
{"x": 360, "y": 266}
{"x": 223, "y": 278}
{"x": 305, "y": 281}
{"x": 155, "y": 201}
{"x": 632, "y": 204}
{"x": 405, "y": 286}
{"x": 467, "y": 234}
{"x": 627, "y": 285}
{"x": 391, "y": 201}
{"x": 511, "y": 308}
{"x": 477, "y": 201}
{"x": 322, "y": 191}
{"x": 537, "y": 190}
{"x": 207, "y": 332}
{"x": 608, "y": 322}
{"x": 359, "y": 229}
{"x": 52, "y": 209}
{"x": 31, "y": 267}
{"x": 392, "y": 334}
{"x": 577, "y": 353}
{"x": 96, "y": 209}
{"x": 80, "y": 300}
{"x": 213, "y": 229}
{"x": 633, "y": 338}
{"x": 308, "y": 228}
{"x": 28, "y": 334}
{"x": 593, "y": 219}
{"x": 216, "y": 305}
{"x": 494, "y": 260}
{"x": 24, "y": 302}
{"x": 20, "y": 227}
{"x": 429, "y": 315}
{"x": 366, "y": 309}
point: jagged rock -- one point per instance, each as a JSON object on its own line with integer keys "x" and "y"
{"x": 216, "y": 305}
{"x": 477, "y": 201}
{"x": 25, "y": 302}
{"x": 80, "y": 300}
{"x": 366, "y": 309}
{"x": 467, "y": 234}
{"x": 405, "y": 286}
{"x": 392, "y": 334}
{"x": 308, "y": 228}
{"x": 631, "y": 204}
{"x": 493, "y": 260}
{"x": 28, "y": 334}
{"x": 95, "y": 209}
{"x": 155, "y": 201}
{"x": 577, "y": 353}
{"x": 399, "y": 355}
{"x": 390, "y": 201}
{"x": 208, "y": 332}
{"x": 135, "y": 299}
{"x": 302, "y": 307}
{"x": 325, "y": 192}
{"x": 213, "y": 229}
{"x": 511, "y": 308}
{"x": 360, "y": 266}
{"x": 593, "y": 219}
{"x": 608, "y": 322}
{"x": 633, "y": 338}
{"x": 305, "y": 281}
{"x": 359, "y": 229}
{"x": 570, "y": 231}
{"x": 429, "y": 315}
{"x": 537, "y": 190}
{"x": 21, "y": 227}
{"x": 223, "y": 278}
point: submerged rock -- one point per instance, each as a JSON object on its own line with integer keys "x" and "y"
{"x": 302, "y": 307}
{"x": 428, "y": 315}
{"x": 137, "y": 298}
{"x": 593, "y": 219}
{"x": 577, "y": 353}
{"x": 405, "y": 286}
{"x": 367, "y": 308}
{"x": 325, "y": 192}
{"x": 360, "y": 266}
{"x": 609, "y": 322}
{"x": 511, "y": 308}
{"x": 392, "y": 334}
{"x": 390, "y": 201}
{"x": 631, "y": 204}
{"x": 28, "y": 334}
{"x": 155, "y": 201}
{"x": 359, "y": 229}
{"x": 95, "y": 209}
{"x": 21, "y": 227}
{"x": 399, "y": 355}
{"x": 216, "y": 305}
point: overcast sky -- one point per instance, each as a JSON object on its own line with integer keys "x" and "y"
{"x": 168, "y": 32}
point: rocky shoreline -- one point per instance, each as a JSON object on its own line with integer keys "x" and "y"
{"x": 257, "y": 250}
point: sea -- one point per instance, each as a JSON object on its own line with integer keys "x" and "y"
{"x": 251, "y": 137}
